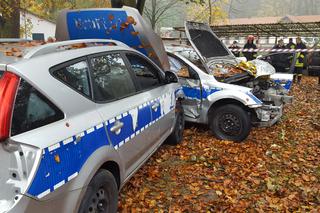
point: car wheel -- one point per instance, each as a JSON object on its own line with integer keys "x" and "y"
{"x": 177, "y": 134}
{"x": 230, "y": 122}
{"x": 101, "y": 195}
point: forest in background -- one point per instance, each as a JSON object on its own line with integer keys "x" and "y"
{"x": 160, "y": 13}
{"x": 253, "y": 8}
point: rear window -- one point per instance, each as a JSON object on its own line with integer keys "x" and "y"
{"x": 75, "y": 76}
{"x": 32, "y": 110}
{"x": 147, "y": 75}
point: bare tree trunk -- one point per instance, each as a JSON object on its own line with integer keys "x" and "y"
{"x": 210, "y": 11}
{"x": 138, "y": 4}
{"x": 11, "y": 21}
{"x": 153, "y": 12}
{"x": 116, "y": 3}
{"x": 230, "y": 9}
{"x": 130, "y": 3}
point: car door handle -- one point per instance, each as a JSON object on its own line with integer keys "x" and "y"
{"x": 155, "y": 106}
{"x": 117, "y": 127}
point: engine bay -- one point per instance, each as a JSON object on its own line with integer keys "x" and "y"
{"x": 245, "y": 74}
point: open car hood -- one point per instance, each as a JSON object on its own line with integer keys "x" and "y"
{"x": 205, "y": 42}
{"x": 211, "y": 50}
{"x": 123, "y": 24}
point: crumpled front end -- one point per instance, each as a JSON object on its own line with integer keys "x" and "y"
{"x": 273, "y": 97}
{"x": 270, "y": 92}
{"x": 268, "y": 115}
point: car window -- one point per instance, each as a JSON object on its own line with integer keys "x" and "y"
{"x": 1, "y": 74}
{"x": 32, "y": 110}
{"x": 76, "y": 76}
{"x": 182, "y": 69}
{"x": 111, "y": 78}
{"x": 147, "y": 75}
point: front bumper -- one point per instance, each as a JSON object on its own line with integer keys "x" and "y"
{"x": 268, "y": 115}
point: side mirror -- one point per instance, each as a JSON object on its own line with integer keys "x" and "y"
{"x": 170, "y": 77}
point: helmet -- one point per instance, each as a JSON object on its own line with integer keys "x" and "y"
{"x": 250, "y": 38}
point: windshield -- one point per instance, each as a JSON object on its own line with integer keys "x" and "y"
{"x": 192, "y": 56}
{"x": 222, "y": 71}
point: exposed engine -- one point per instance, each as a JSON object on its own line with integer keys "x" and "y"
{"x": 269, "y": 92}
{"x": 245, "y": 74}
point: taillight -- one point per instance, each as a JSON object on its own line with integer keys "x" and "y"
{"x": 8, "y": 87}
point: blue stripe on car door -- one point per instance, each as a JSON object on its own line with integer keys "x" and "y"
{"x": 72, "y": 157}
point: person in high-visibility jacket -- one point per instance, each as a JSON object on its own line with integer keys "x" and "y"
{"x": 300, "y": 58}
{"x": 298, "y": 67}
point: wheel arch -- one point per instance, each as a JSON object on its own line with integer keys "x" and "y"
{"x": 225, "y": 101}
{"x": 114, "y": 168}
{"x": 244, "y": 116}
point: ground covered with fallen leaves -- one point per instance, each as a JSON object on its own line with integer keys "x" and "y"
{"x": 276, "y": 169}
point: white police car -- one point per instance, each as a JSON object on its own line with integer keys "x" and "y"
{"x": 79, "y": 117}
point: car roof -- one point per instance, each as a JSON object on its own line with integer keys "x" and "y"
{"x": 13, "y": 52}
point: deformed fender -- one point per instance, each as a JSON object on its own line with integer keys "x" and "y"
{"x": 94, "y": 163}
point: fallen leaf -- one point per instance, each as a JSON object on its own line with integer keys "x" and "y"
{"x": 111, "y": 17}
{"x": 134, "y": 33}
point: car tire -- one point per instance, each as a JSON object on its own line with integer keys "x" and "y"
{"x": 177, "y": 134}
{"x": 101, "y": 194}
{"x": 230, "y": 122}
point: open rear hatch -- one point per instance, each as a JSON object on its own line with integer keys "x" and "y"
{"x": 125, "y": 25}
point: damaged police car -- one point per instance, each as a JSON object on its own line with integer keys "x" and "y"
{"x": 224, "y": 92}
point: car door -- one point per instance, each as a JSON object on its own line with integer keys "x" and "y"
{"x": 125, "y": 112}
{"x": 159, "y": 95}
{"x": 191, "y": 85}
{"x": 314, "y": 64}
